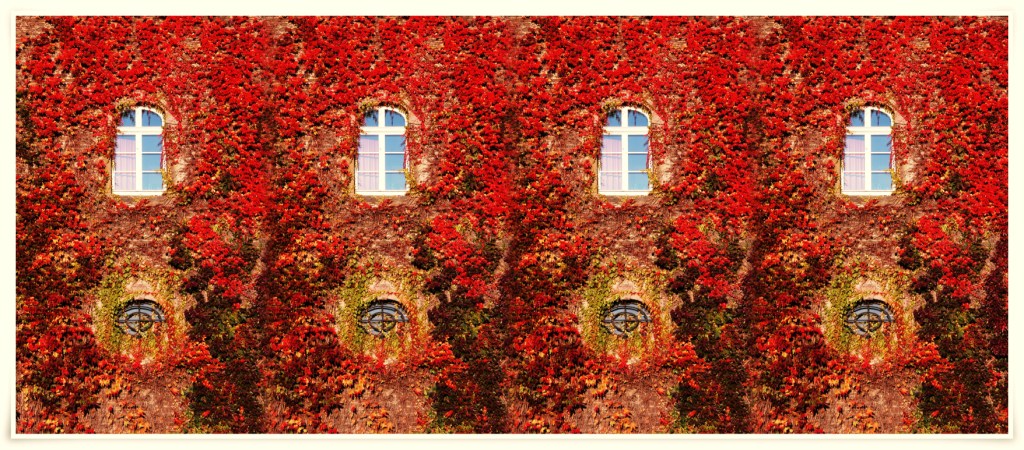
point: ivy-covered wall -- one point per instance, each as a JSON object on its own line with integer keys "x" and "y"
{"x": 746, "y": 253}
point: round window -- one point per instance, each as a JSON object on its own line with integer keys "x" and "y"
{"x": 382, "y": 316}
{"x": 625, "y": 316}
{"x": 138, "y": 316}
{"x": 867, "y": 317}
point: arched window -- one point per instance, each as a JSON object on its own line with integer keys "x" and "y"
{"x": 867, "y": 159}
{"x": 138, "y": 157}
{"x": 381, "y": 317}
{"x": 138, "y": 316}
{"x": 381, "y": 163}
{"x": 625, "y": 316}
{"x": 624, "y": 153}
{"x": 867, "y": 317}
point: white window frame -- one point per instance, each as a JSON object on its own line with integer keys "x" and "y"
{"x": 138, "y": 131}
{"x": 867, "y": 131}
{"x": 381, "y": 131}
{"x": 624, "y": 131}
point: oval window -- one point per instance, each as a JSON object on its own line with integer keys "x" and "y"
{"x": 382, "y": 316}
{"x": 867, "y": 317}
{"x": 138, "y": 316}
{"x": 625, "y": 316}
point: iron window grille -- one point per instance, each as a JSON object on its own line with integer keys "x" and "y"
{"x": 138, "y": 316}
{"x": 867, "y": 317}
{"x": 625, "y": 316}
{"x": 382, "y": 316}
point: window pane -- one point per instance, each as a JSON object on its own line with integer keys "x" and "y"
{"x": 611, "y": 144}
{"x": 637, "y": 161}
{"x": 367, "y": 144}
{"x": 881, "y": 143}
{"x": 611, "y": 181}
{"x": 855, "y": 144}
{"x": 881, "y": 181}
{"x": 638, "y": 143}
{"x": 880, "y": 161}
{"x": 611, "y": 162}
{"x": 366, "y": 181}
{"x": 370, "y": 119}
{"x": 394, "y": 162}
{"x": 124, "y": 162}
{"x": 128, "y": 119}
{"x": 393, "y": 119}
{"x": 150, "y": 162}
{"x": 853, "y": 162}
{"x": 853, "y": 181}
{"x": 124, "y": 181}
{"x": 152, "y": 182}
{"x": 394, "y": 181}
{"x": 880, "y": 119}
{"x": 637, "y": 118}
{"x": 152, "y": 143}
{"x": 368, "y": 162}
{"x": 638, "y": 182}
{"x": 857, "y": 119}
{"x": 125, "y": 144}
{"x": 151, "y": 119}
{"x": 394, "y": 143}
{"x": 615, "y": 119}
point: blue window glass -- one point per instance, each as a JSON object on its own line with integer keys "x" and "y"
{"x": 150, "y": 162}
{"x": 637, "y": 143}
{"x": 638, "y": 182}
{"x": 151, "y": 119}
{"x": 880, "y": 119}
{"x": 394, "y": 161}
{"x": 371, "y": 119}
{"x": 152, "y": 143}
{"x": 881, "y": 143}
{"x": 881, "y": 181}
{"x": 880, "y": 161}
{"x": 394, "y": 143}
{"x": 128, "y": 119}
{"x": 394, "y": 181}
{"x": 857, "y": 119}
{"x": 637, "y": 161}
{"x": 152, "y": 181}
{"x": 637, "y": 119}
{"x": 393, "y": 119}
{"x": 614, "y": 119}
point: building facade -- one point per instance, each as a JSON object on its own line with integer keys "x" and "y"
{"x": 512, "y": 225}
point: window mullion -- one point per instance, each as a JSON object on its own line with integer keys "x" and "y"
{"x": 624, "y": 150}
{"x": 867, "y": 161}
{"x": 381, "y": 155}
{"x": 138, "y": 161}
{"x": 624, "y": 154}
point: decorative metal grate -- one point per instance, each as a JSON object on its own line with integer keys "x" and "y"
{"x": 625, "y": 316}
{"x": 382, "y": 316}
{"x": 138, "y": 317}
{"x": 867, "y": 317}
